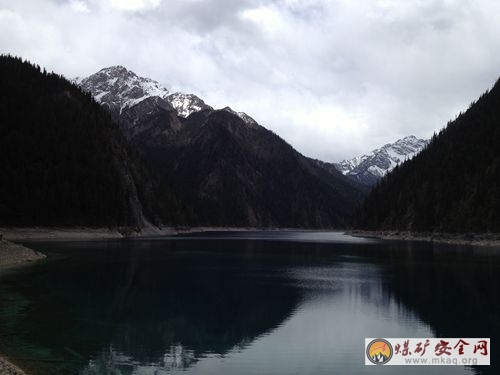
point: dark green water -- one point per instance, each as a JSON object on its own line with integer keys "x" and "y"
{"x": 251, "y": 303}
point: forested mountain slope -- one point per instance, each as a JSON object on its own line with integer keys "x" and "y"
{"x": 453, "y": 185}
{"x": 64, "y": 161}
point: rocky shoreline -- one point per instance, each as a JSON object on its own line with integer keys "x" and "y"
{"x": 7, "y": 368}
{"x": 475, "y": 239}
{"x": 12, "y": 254}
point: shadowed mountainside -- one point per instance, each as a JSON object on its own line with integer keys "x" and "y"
{"x": 452, "y": 186}
{"x": 228, "y": 168}
{"x": 65, "y": 162}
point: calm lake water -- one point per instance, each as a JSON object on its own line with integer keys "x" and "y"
{"x": 243, "y": 303}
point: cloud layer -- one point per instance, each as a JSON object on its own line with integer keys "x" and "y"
{"x": 335, "y": 78}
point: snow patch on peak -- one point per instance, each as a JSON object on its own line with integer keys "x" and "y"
{"x": 185, "y": 104}
{"x": 346, "y": 166}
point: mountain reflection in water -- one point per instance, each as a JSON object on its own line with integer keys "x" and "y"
{"x": 242, "y": 303}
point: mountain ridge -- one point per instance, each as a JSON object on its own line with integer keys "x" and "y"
{"x": 119, "y": 88}
{"x": 229, "y": 168}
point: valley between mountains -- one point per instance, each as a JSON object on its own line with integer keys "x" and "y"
{"x": 121, "y": 151}
{"x": 229, "y": 169}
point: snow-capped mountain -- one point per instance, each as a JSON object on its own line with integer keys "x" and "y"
{"x": 368, "y": 169}
{"x": 144, "y": 109}
{"x": 119, "y": 89}
{"x": 222, "y": 163}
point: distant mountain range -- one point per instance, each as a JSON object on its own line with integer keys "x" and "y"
{"x": 368, "y": 169}
{"x": 161, "y": 158}
{"x": 229, "y": 169}
{"x": 130, "y": 98}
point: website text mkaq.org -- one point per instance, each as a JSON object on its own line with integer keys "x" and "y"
{"x": 428, "y": 351}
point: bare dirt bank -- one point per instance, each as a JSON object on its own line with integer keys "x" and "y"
{"x": 475, "y": 239}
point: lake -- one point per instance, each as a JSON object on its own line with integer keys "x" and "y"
{"x": 243, "y": 303}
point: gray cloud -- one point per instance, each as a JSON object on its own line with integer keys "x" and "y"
{"x": 335, "y": 78}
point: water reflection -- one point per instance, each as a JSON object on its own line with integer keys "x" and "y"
{"x": 143, "y": 301}
{"x": 248, "y": 306}
{"x": 112, "y": 361}
{"x": 453, "y": 289}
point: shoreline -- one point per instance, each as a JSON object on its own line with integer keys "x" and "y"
{"x": 8, "y": 368}
{"x": 55, "y": 234}
{"x": 87, "y": 234}
{"x": 473, "y": 239}
{"x": 41, "y": 234}
{"x": 13, "y": 255}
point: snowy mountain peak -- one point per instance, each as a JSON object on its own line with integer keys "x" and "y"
{"x": 119, "y": 88}
{"x": 411, "y": 138}
{"x": 369, "y": 168}
{"x": 116, "y": 71}
{"x": 117, "y": 68}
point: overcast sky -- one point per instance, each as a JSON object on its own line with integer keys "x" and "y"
{"x": 335, "y": 78}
